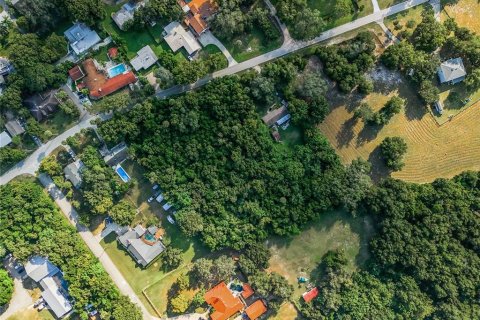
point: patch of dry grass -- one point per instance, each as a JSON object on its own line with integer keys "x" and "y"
{"x": 465, "y": 12}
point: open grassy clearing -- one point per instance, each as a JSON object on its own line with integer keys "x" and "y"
{"x": 300, "y": 255}
{"x": 414, "y": 14}
{"x": 465, "y": 12}
{"x": 286, "y": 311}
{"x": 433, "y": 151}
{"x": 57, "y": 124}
{"x": 139, "y": 278}
{"x": 383, "y": 4}
{"x": 327, "y": 8}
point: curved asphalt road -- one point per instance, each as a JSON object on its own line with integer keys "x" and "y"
{"x": 292, "y": 46}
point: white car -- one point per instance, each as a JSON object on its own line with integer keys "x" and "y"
{"x": 166, "y": 206}
{"x": 150, "y": 199}
{"x": 155, "y": 187}
{"x": 170, "y": 219}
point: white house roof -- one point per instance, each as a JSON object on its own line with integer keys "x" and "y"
{"x": 81, "y": 38}
{"x": 4, "y": 139}
{"x": 145, "y": 59}
{"x": 451, "y": 70}
{"x": 38, "y": 268}
{"x": 54, "y": 297}
{"x": 177, "y": 37}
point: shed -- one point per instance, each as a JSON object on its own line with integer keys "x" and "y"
{"x": 310, "y": 295}
{"x": 274, "y": 115}
{"x": 247, "y": 291}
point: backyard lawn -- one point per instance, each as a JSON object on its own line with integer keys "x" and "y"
{"x": 398, "y": 22}
{"x": 153, "y": 277}
{"x": 253, "y": 43}
{"x": 57, "y": 124}
{"x": 135, "y": 40}
{"x": 383, "y": 4}
{"x": 455, "y": 99}
{"x": 300, "y": 255}
{"x": 327, "y": 8}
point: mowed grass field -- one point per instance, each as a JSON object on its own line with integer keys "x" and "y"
{"x": 300, "y": 256}
{"x": 433, "y": 151}
{"x": 465, "y": 12}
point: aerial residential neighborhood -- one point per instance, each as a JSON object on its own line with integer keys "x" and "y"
{"x": 239, "y": 159}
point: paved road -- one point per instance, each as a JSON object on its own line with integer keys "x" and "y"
{"x": 31, "y": 164}
{"x": 293, "y": 46}
{"x": 376, "y": 7}
{"x": 92, "y": 243}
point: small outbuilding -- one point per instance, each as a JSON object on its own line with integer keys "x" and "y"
{"x": 452, "y": 71}
{"x": 76, "y": 73}
{"x": 310, "y": 295}
{"x": 274, "y": 115}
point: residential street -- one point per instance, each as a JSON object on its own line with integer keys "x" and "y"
{"x": 31, "y": 164}
{"x": 292, "y": 46}
{"x": 92, "y": 243}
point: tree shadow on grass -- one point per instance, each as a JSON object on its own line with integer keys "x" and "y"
{"x": 379, "y": 169}
{"x": 346, "y": 134}
{"x": 368, "y": 133}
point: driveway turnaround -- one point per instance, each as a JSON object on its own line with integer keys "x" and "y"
{"x": 292, "y": 46}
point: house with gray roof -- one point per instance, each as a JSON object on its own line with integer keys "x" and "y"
{"x": 38, "y": 268}
{"x": 5, "y": 139}
{"x": 144, "y": 59}
{"x": 144, "y": 245}
{"x": 50, "y": 279}
{"x": 126, "y": 13}
{"x": 81, "y": 38}
{"x": 42, "y": 105}
{"x": 452, "y": 71}
{"x": 73, "y": 173}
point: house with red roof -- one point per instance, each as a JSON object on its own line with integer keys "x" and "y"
{"x": 197, "y": 14}
{"x": 223, "y": 302}
{"x": 310, "y": 295}
{"x": 76, "y": 73}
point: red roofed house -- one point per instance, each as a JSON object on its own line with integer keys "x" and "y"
{"x": 256, "y": 309}
{"x": 197, "y": 13}
{"x": 223, "y": 301}
{"x": 76, "y": 73}
{"x": 100, "y": 85}
{"x": 310, "y": 295}
{"x": 247, "y": 291}
{"x": 113, "y": 84}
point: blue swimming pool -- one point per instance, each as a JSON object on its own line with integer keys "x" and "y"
{"x": 122, "y": 173}
{"x": 116, "y": 70}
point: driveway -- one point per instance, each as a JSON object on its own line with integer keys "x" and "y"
{"x": 292, "y": 46}
{"x": 90, "y": 240}
{"x": 21, "y": 299}
{"x": 208, "y": 38}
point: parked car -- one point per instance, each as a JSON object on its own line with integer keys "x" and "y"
{"x": 159, "y": 198}
{"x": 38, "y": 302}
{"x": 150, "y": 199}
{"x": 41, "y": 306}
{"x": 155, "y": 187}
{"x": 170, "y": 219}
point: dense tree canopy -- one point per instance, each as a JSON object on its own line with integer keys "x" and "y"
{"x": 6, "y": 287}
{"x": 30, "y": 224}
{"x": 229, "y": 170}
{"x": 393, "y": 149}
{"x": 426, "y": 257}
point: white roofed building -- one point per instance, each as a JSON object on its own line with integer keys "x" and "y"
{"x": 5, "y": 139}
{"x": 452, "y": 71}
{"x": 145, "y": 59}
{"x": 81, "y": 38}
{"x": 177, "y": 37}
